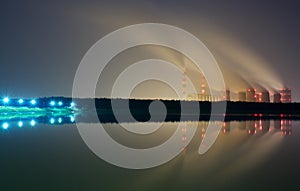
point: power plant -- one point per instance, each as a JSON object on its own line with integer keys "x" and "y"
{"x": 251, "y": 95}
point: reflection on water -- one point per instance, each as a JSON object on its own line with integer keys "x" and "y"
{"x": 251, "y": 126}
{"x": 262, "y": 126}
{"x": 33, "y": 121}
{"x": 247, "y": 155}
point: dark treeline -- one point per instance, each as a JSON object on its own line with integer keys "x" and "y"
{"x": 174, "y": 106}
{"x": 139, "y": 109}
{"x": 172, "y": 109}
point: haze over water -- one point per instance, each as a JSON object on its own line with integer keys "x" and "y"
{"x": 248, "y": 155}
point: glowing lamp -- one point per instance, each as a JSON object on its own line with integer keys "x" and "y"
{"x": 6, "y": 100}
{"x": 5, "y": 125}
{"x": 20, "y": 101}
{"x": 60, "y": 103}
{"x": 52, "y": 120}
{"x": 52, "y": 103}
{"x": 59, "y": 120}
{"x": 33, "y": 102}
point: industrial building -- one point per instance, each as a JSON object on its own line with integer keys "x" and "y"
{"x": 264, "y": 97}
{"x": 242, "y": 96}
{"x": 277, "y": 97}
{"x": 286, "y": 95}
{"x": 227, "y": 95}
{"x": 250, "y": 95}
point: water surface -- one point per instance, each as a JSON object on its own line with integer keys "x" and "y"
{"x": 247, "y": 155}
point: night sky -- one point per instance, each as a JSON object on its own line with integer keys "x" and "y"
{"x": 43, "y": 42}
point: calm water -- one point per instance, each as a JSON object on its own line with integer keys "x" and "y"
{"x": 248, "y": 155}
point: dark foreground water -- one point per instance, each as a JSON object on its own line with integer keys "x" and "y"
{"x": 247, "y": 155}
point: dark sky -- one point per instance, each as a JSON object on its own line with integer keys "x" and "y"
{"x": 42, "y": 43}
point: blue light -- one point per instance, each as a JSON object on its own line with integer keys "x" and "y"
{"x": 32, "y": 123}
{"x": 60, "y": 103}
{"x": 21, "y": 101}
{"x": 20, "y": 123}
{"x": 5, "y": 125}
{"x": 6, "y": 100}
{"x": 52, "y": 103}
{"x": 52, "y": 120}
{"x": 33, "y": 102}
{"x": 72, "y": 119}
{"x": 59, "y": 120}
{"x": 72, "y": 104}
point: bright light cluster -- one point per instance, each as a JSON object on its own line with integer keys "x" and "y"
{"x": 33, "y": 102}
{"x": 52, "y": 103}
{"x": 52, "y": 121}
{"x": 5, "y": 125}
{"x": 6, "y": 100}
{"x": 20, "y": 124}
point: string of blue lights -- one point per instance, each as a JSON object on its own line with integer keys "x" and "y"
{"x": 19, "y": 111}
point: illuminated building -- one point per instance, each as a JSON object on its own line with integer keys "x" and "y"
{"x": 277, "y": 98}
{"x": 286, "y": 95}
{"x": 242, "y": 96}
{"x": 205, "y": 94}
{"x": 203, "y": 97}
{"x": 250, "y": 95}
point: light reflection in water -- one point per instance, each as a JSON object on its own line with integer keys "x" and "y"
{"x": 251, "y": 127}
{"x": 34, "y": 121}
{"x": 234, "y": 154}
{"x": 252, "y": 141}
